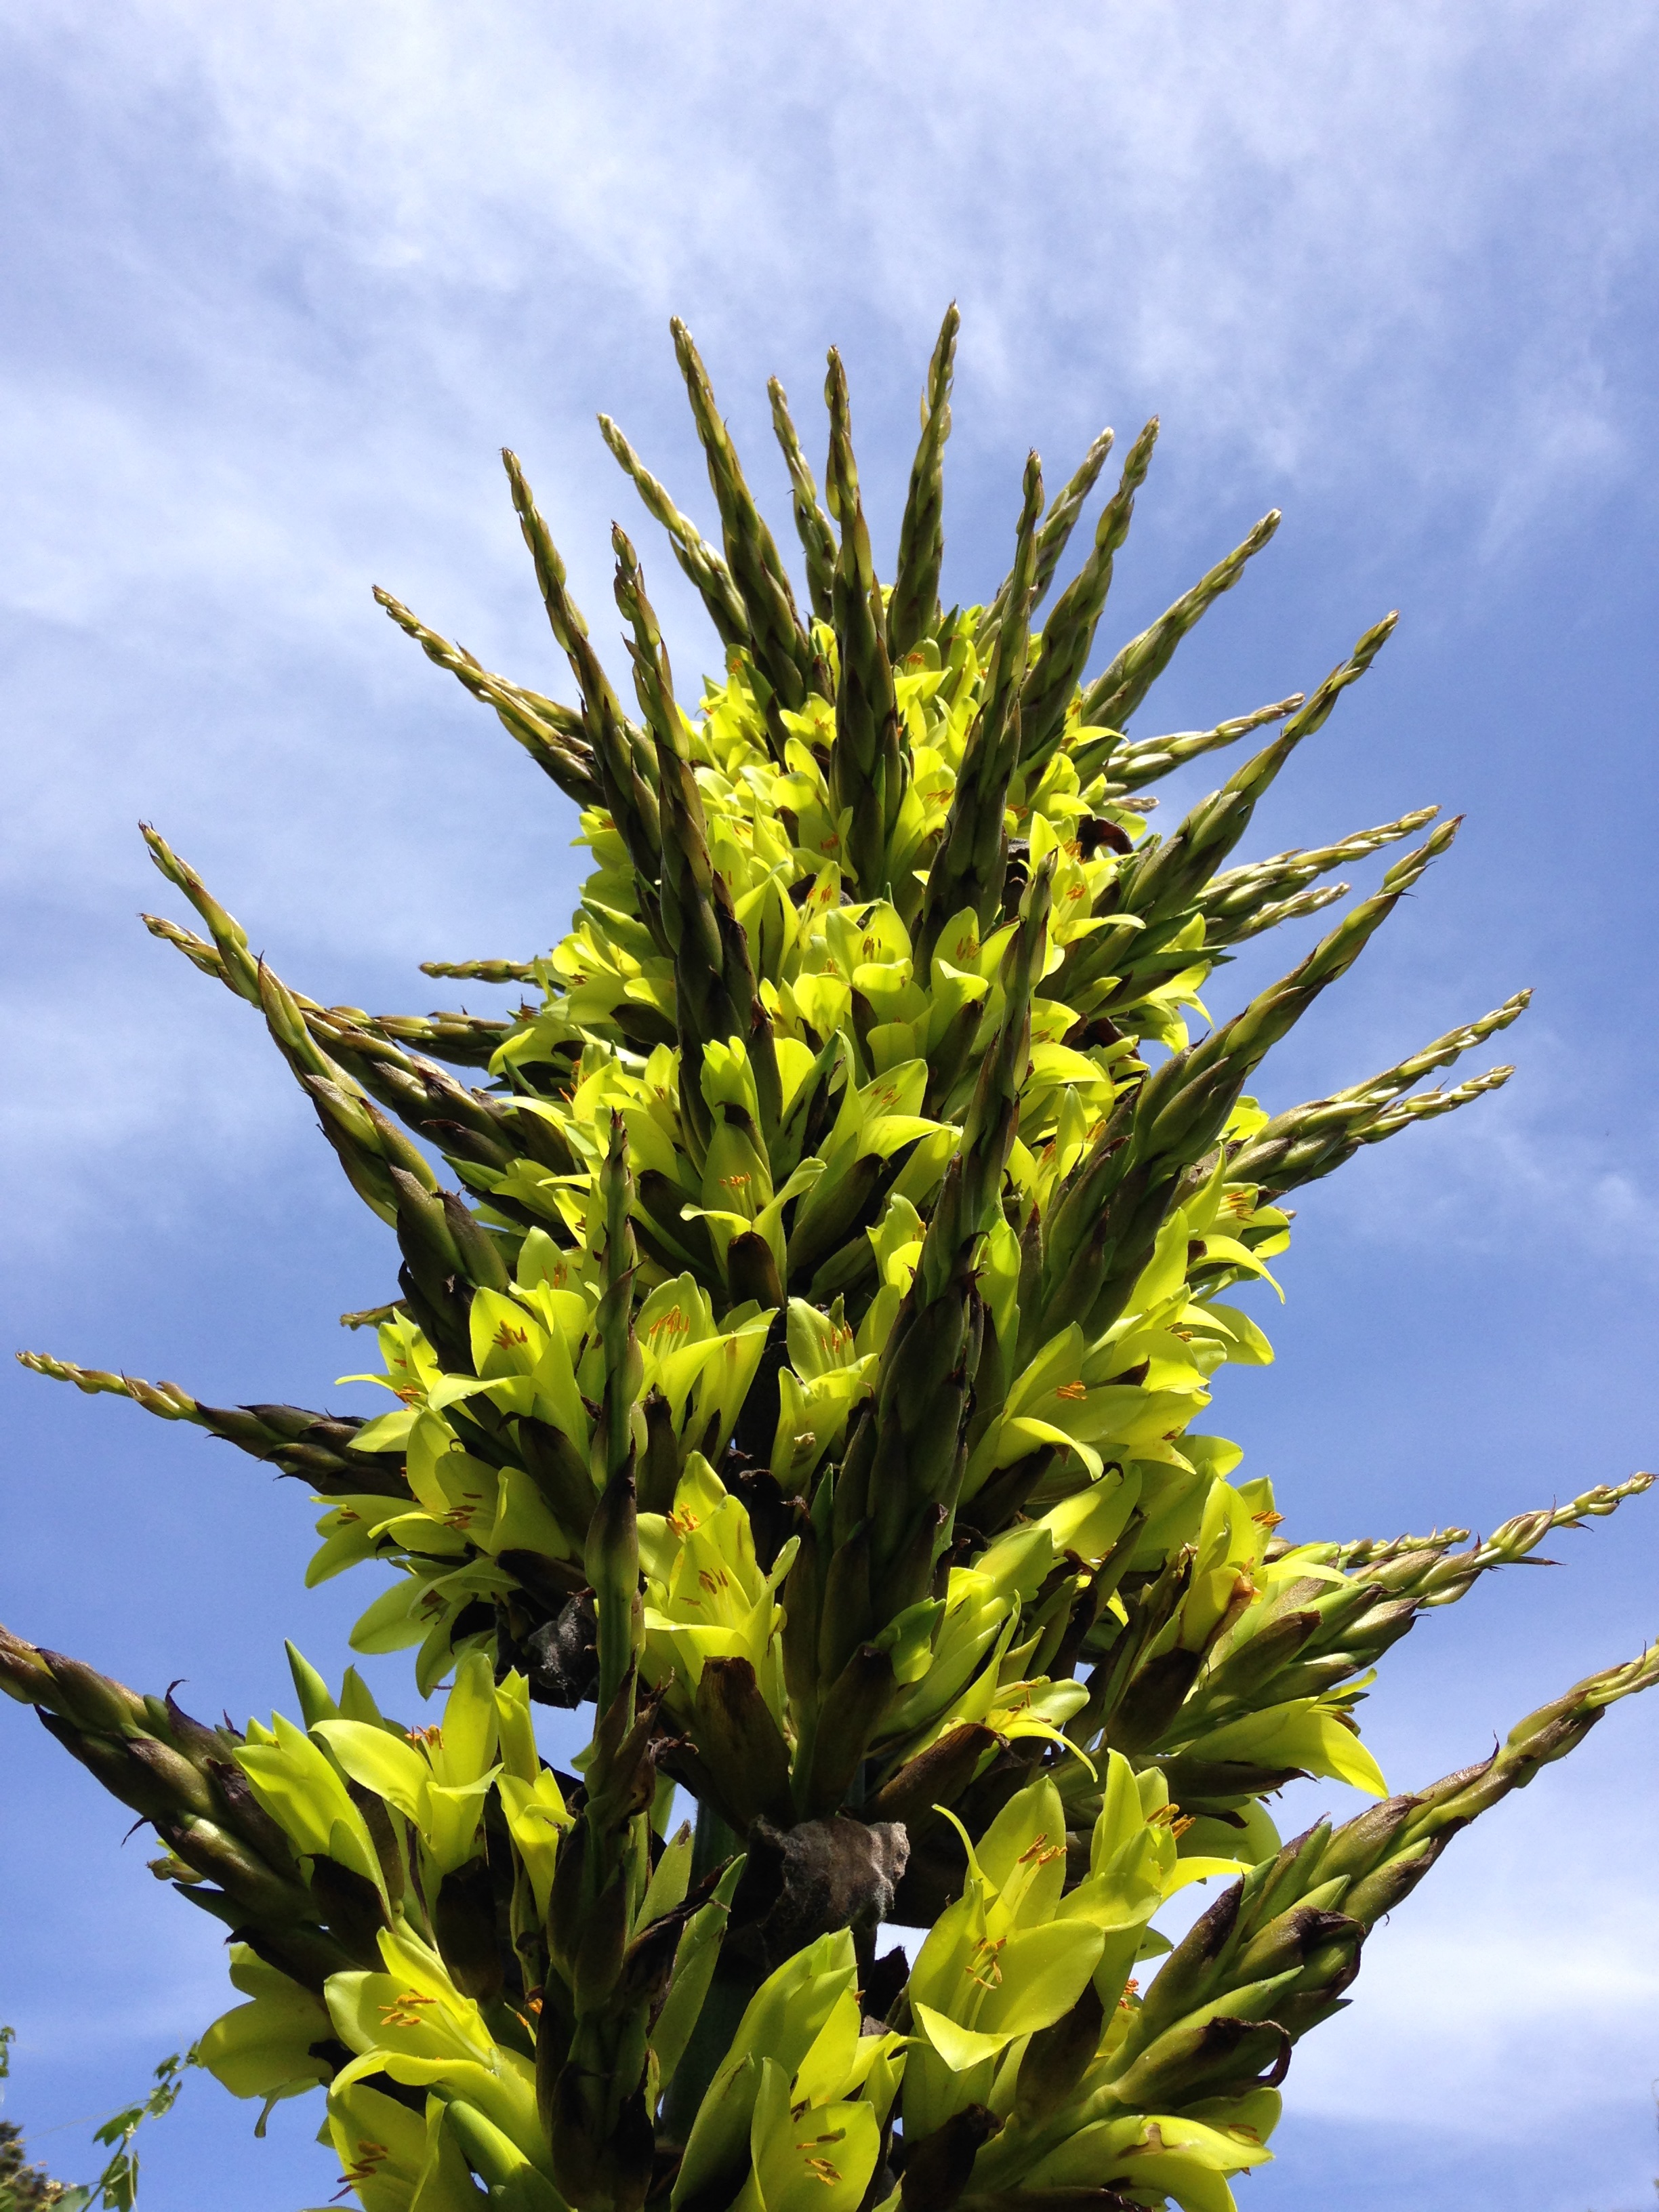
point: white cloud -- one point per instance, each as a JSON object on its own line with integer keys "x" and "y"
{"x": 296, "y": 272}
{"x": 1291, "y": 225}
{"x": 1521, "y": 1171}
{"x": 120, "y": 1112}
{"x": 326, "y": 258}
{"x": 1528, "y": 1956}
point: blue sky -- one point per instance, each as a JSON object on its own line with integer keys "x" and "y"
{"x": 278, "y": 284}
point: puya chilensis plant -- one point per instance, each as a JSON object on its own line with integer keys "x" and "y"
{"x": 798, "y": 1364}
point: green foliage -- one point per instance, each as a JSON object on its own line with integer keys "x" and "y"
{"x": 117, "y": 2187}
{"x": 24, "y": 2188}
{"x": 800, "y": 1363}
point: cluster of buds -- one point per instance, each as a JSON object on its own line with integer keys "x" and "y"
{"x": 806, "y": 1306}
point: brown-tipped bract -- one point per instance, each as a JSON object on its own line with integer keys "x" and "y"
{"x": 807, "y": 1309}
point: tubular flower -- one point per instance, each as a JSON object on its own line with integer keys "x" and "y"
{"x": 802, "y": 1362}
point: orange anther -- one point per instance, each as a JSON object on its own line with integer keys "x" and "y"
{"x": 1041, "y": 1852}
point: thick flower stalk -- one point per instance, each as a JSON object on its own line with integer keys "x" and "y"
{"x": 805, "y": 1309}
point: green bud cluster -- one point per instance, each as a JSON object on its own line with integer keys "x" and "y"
{"x": 805, "y": 1307}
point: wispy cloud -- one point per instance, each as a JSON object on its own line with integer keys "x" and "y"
{"x": 1287, "y": 221}
{"x": 284, "y": 279}
{"x": 1524, "y": 1170}
{"x": 1489, "y": 1979}
{"x": 314, "y": 266}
